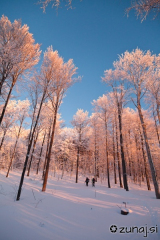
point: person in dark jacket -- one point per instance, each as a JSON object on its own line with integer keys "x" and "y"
{"x": 93, "y": 182}
{"x": 87, "y": 181}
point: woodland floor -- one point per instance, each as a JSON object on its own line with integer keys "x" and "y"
{"x": 70, "y": 211}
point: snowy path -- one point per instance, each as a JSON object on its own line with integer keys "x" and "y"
{"x": 70, "y": 211}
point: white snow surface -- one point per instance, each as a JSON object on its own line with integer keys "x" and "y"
{"x": 72, "y": 211}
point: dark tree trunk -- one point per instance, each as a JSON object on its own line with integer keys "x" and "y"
{"x": 145, "y": 163}
{"x": 95, "y": 155}
{"x": 154, "y": 177}
{"x": 108, "y": 177}
{"x": 1, "y": 84}
{"x": 134, "y": 172}
{"x": 125, "y": 183}
{"x": 138, "y": 161}
{"x": 50, "y": 148}
{"x": 118, "y": 158}
{"x": 45, "y": 161}
{"x": 7, "y": 100}
{"x": 34, "y": 145}
{"x": 29, "y": 149}
{"x": 156, "y": 127}
{"x": 4, "y": 134}
{"x": 77, "y": 164}
{"x": 7, "y": 67}
{"x": 41, "y": 153}
{"x": 114, "y": 158}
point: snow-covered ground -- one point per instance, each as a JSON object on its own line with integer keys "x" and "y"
{"x": 70, "y": 211}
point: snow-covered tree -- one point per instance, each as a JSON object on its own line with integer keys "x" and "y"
{"x": 53, "y": 80}
{"x": 80, "y": 123}
{"x": 137, "y": 67}
{"x": 95, "y": 141}
{"x": 18, "y": 53}
{"x": 9, "y": 120}
{"x": 102, "y": 107}
{"x": 115, "y": 79}
{"x": 61, "y": 76}
{"x": 153, "y": 93}
{"x": 22, "y": 113}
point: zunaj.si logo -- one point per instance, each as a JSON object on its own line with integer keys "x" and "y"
{"x": 142, "y": 230}
{"x": 113, "y": 228}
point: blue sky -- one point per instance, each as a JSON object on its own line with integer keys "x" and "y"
{"x": 93, "y": 34}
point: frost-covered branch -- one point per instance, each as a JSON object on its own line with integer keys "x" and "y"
{"x": 144, "y": 7}
{"x": 55, "y": 3}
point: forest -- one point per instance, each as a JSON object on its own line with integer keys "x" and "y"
{"x": 119, "y": 140}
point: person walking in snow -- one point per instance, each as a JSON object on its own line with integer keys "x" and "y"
{"x": 87, "y": 181}
{"x": 93, "y": 182}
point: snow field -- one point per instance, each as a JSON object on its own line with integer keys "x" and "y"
{"x": 70, "y": 211}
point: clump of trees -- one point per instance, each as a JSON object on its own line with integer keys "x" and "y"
{"x": 18, "y": 55}
{"x": 117, "y": 141}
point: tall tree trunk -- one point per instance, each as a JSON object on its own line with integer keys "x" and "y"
{"x": 108, "y": 177}
{"x": 7, "y": 67}
{"x": 95, "y": 155}
{"x": 134, "y": 172}
{"x": 7, "y": 100}
{"x": 125, "y": 183}
{"x": 114, "y": 158}
{"x": 29, "y": 148}
{"x": 62, "y": 168}
{"x": 78, "y": 153}
{"x": 138, "y": 161}
{"x": 132, "y": 162}
{"x": 50, "y": 148}
{"x": 45, "y": 161}
{"x": 77, "y": 164}
{"x": 1, "y": 83}
{"x": 156, "y": 127}
{"x": 154, "y": 178}
{"x": 4, "y": 134}
{"x": 34, "y": 145}
{"x": 145, "y": 162}
{"x": 40, "y": 153}
{"x": 118, "y": 157}
{"x": 129, "y": 158}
